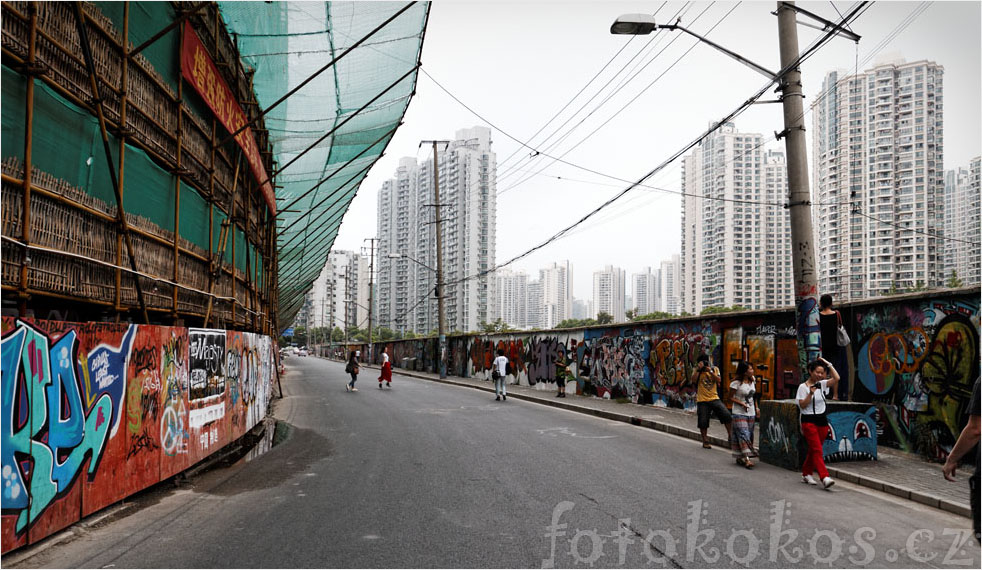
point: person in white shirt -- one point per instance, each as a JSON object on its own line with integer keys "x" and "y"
{"x": 811, "y": 397}
{"x": 498, "y": 373}
{"x": 745, "y": 413}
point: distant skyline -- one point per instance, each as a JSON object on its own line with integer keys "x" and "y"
{"x": 517, "y": 64}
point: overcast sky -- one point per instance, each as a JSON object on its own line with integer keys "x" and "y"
{"x": 518, "y": 63}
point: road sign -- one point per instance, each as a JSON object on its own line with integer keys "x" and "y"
{"x": 288, "y": 332}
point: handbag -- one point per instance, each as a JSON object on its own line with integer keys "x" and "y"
{"x": 495, "y": 375}
{"x": 841, "y": 336}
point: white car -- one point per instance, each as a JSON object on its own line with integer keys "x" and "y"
{"x": 302, "y": 352}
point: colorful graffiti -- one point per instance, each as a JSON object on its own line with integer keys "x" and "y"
{"x": 852, "y": 435}
{"x": 673, "y": 361}
{"x": 617, "y": 362}
{"x": 94, "y": 412}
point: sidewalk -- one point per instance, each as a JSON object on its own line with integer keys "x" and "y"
{"x": 898, "y": 473}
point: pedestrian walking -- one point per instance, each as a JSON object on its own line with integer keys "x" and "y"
{"x": 386, "y": 375}
{"x": 706, "y": 378}
{"x": 966, "y": 441}
{"x": 830, "y": 320}
{"x": 499, "y": 370}
{"x": 352, "y": 368}
{"x": 561, "y": 372}
{"x": 811, "y": 397}
{"x": 743, "y": 389}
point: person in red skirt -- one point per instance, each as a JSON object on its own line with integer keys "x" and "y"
{"x": 386, "y": 375}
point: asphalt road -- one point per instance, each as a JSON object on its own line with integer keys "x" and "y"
{"x": 429, "y": 475}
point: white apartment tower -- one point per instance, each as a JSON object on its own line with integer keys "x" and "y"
{"x": 512, "y": 297}
{"x": 878, "y": 179}
{"x": 407, "y": 242}
{"x": 608, "y": 292}
{"x": 398, "y": 209}
{"x": 961, "y": 224}
{"x": 734, "y": 248}
{"x": 646, "y": 291}
{"x": 557, "y": 294}
{"x": 670, "y": 285}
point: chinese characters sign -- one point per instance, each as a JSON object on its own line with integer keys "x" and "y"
{"x": 199, "y": 70}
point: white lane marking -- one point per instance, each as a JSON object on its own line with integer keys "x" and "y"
{"x": 556, "y": 431}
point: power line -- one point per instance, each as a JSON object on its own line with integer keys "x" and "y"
{"x": 916, "y": 231}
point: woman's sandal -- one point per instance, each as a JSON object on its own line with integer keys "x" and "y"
{"x": 706, "y": 445}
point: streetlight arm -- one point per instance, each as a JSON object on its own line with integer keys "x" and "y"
{"x": 759, "y": 69}
{"x": 404, "y": 256}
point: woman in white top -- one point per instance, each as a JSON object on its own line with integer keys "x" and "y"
{"x": 498, "y": 373}
{"x": 811, "y": 397}
{"x": 745, "y": 414}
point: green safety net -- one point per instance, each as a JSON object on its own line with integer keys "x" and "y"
{"x": 362, "y": 98}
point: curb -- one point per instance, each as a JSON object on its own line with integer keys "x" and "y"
{"x": 838, "y": 473}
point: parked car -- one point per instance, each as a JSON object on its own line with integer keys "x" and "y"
{"x": 302, "y": 352}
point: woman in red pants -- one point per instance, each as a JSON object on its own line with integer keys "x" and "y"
{"x": 812, "y": 394}
{"x": 386, "y": 375}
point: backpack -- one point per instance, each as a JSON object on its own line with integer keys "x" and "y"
{"x": 348, "y": 367}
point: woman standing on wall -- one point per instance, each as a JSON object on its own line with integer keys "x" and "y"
{"x": 811, "y": 399}
{"x": 386, "y": 375}
{"x": 745, "y": 414}
{"x": 352, "y": 368}
{"x": 829, "y": 322}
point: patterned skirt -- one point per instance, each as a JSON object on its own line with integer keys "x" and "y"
{"x": 743, "y": 436}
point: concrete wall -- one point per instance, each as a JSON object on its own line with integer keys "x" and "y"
{"x": 914, "y": 357}
{"x": 94, "y": 412}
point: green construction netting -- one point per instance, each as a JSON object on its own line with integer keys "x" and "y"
{"x": 286, "y": 43}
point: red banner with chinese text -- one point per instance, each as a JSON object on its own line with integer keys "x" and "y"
{"x": 199, "y": 70}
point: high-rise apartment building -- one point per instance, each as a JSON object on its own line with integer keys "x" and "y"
{"x": 962, "y": 254}
{"x": 339, "y": 294}
{"x": 535, "y": 305}
{"x": 512, "y": 297}
{"x": 878, "y": 179}
{"x": 608, "y": 292}
{"x": 407, "y": 242}
{"x": 733, "y": 248}
{"x": 646, "y": 291}
{"x": 670, "y": 285}
{"x": 557, "y": 294}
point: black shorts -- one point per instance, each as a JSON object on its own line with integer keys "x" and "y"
{"x": 561, "y": 381}
{"x": 705, "y": 409}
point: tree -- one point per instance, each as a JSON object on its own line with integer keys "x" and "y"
{"x": 337, "y": 335}
{"x": 604, "y": 318}
{"x": 653, "y": 316}
{"x": 953, "y": 281}
{"x": 630, "y": 314}
{"x": 713, "y": 310}
{"x": 498, "y": 326}
{"x": 576, "y": 323}
{"x": 410, "y": 334}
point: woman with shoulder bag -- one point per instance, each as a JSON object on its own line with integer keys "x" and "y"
{"x": 811, "y": 399}
{"x": 352, "y": 368}
{"x": 745, "y": 414}
{"x": 834, "y": 339}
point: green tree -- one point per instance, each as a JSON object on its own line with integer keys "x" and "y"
{"x": 410, "y": 334}
{"x": 653, "y": 316}
{"x": 714, "y": 310}
{"x": 631, "y": 314}
{"x": 337, "y": 335}
{"x": 498, "y": 326}
{"x": 576, "y": 323}
{"x": 953, "y": 281}
{"x": 604, "y": 318}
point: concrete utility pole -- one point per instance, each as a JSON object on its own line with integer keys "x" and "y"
{"x": 799, "y": 198}
{"x": 441, "y": 318}
{"x": 371, "y": 292}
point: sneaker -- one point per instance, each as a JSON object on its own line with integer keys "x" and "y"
{"x": 353, "y": 389}
{"x": 497, "y": 398}
{"x": 828, "y": 482}
{"x": 347, "y": 388}
{"x": 504, "y": 398}
{"x": 808, "y": 479}
{"x": 379, "y": 385}
{"x": 388, "y": 384}
{"x": 559, "y": 395}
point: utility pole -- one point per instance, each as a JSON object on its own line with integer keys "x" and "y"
{"x": 371, "y": 292}
{"x": 441, "y": 318}
{"x": 799, "y": 198}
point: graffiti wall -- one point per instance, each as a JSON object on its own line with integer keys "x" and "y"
{"x": 917, "y": 362}
{"x": 95, "y": 412}
{"x": 914, "y": 358}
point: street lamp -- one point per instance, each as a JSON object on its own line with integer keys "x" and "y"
{"x": 799, "y": 204}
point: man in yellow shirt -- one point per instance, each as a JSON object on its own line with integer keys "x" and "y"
{"x": 706, "y": 379}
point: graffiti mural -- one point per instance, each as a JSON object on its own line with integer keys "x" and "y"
{"x": 673, "y": 361}
{"x": 615, "y": 362}
{"x": 917, "y": 362}
{"x": 852, "y": 435}
{"x": 60, "y": 406}
{"x": 95, "y": 412}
